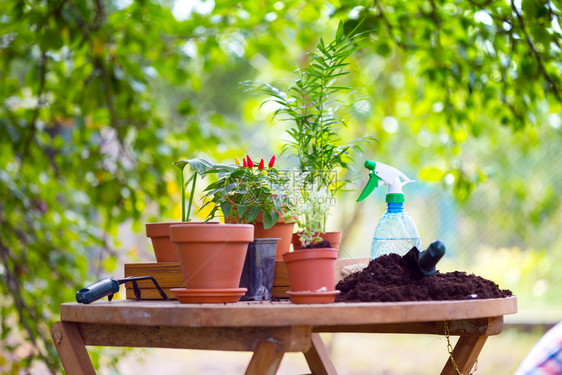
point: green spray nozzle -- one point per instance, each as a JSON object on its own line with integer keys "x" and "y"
{"x": 373, "y": 182}
{"x": 381, "y": 174}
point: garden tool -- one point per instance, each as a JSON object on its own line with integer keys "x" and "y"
{"x": 109, "y": 286}
{"x": 429, "y": 258}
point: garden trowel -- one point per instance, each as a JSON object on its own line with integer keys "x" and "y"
{"x": 109, "y": 286}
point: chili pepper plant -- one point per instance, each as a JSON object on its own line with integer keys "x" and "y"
{"x": 245, "y": 191}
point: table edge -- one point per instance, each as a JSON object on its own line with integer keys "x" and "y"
{"x": 272, "y": 314}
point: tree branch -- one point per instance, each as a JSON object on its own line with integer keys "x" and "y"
{"x": 14, "y": 287}
{"x": 441, "y": 63}
{"x": 535, "y": 52}
{"x": 505, "y": 86}
{"x": 33, "y": 126}
{"x": 108, "y": 93}
{"x": 80, "y": 21}
{"x": 554, "y": 15}
{"x": 100, "y": 15}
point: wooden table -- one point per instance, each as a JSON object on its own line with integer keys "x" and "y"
{"x": 269, "y": 329}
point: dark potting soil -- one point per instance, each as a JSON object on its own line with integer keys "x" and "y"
{"x": 393, "y": 278}
{"x": 318, "y": 245}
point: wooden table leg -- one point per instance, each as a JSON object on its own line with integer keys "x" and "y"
{"x": 266, "y": 359}
{"x": 318, "y": 357}
{"x": 71, "y": 349}
{"x": 465, "y": 354}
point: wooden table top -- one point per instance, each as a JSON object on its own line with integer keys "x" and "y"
{"x": 282, "y": 313}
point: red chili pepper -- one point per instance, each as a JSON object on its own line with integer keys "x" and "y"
{"x": 262, "y": 164}
{"x": 250, "y": 162}
{"x": 244, "y": 162}
{"x": 271, "y": 162}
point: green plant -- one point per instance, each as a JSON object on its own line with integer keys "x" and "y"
{"x": 313, "y": 206}
{"x": 311, "y": 223}
{"x": 313, "y": 104}
{"x": 244, "y": 192}
{"x": 200, "y": 166}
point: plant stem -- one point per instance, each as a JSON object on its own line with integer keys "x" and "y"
{"x": 194, "y": 178}
{"x": 182, "y": 195}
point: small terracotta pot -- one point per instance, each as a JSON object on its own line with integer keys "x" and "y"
{"x": 159, "y": 234}
{"x": 312, "y": 270}
{"x": 211, "y": 256}
{"x": 334, "y": 238}
{"x": 282, "y": 230}
{"x": 164, "y": 250}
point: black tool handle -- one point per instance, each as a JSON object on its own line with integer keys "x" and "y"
{"x": 429, "y": 258}
{"x": 97, "y": 290}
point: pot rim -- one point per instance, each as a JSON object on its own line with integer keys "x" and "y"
{"x": 212, "y": 233}
{"x": 316, "y": 253}
{"x": 162, "y": 229}
{"x": 267, "y": 239}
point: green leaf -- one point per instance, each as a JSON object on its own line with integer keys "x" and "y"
{"x": 242, "y": 209}
{"x": 270, "y": 218}
{"x": 340, "y": 31}
{"x": 225, "y": 208}
{"x": 200, "y": 165}
{"x": 185, "y": 107}
{"x": 253, "y": 214}
{"x": 180, "y": 164}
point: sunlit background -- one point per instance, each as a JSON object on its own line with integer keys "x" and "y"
{"x": 99, "y": 98}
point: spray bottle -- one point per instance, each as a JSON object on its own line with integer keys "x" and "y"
{"x": 395, "y": 231}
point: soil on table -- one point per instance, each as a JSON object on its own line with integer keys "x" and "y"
{"x": 393, "y": 278}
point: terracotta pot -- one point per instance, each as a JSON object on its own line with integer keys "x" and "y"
{"x": 282, "y": 230}
{"x": 312, "y": 270}
{"x": 334, "y": 238}
{"x": 159, "y": 234}
{"x": 211, "y": 256}
{"x": 164, "y": 250}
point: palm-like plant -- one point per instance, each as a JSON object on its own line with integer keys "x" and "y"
{"x": 313, "y": 104}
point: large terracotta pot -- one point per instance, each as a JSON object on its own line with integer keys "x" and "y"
{"x": 159, "y": 234}
{"x": 211, "y": 256}
{"x": 334, "y": 238}
{"x": 311, "y": 275}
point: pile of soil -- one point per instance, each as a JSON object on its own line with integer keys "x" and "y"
{"x": 393, "y": 278}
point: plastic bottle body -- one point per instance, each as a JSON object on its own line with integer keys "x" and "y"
{"x": 395, "y": 233}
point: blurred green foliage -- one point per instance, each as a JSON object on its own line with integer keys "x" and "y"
{"x": 98, "y": 98}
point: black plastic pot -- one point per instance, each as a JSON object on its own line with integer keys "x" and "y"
{"x": 257, "y": 274}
